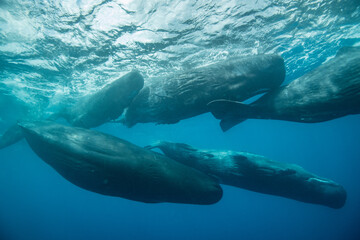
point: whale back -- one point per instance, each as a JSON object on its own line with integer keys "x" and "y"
{"x": 186, "y": 94}
{"x": 107, "y": 104}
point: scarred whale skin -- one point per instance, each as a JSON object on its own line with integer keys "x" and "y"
{"x": 330, "y": 91}
{"x": 108, "y": 165}
{"x": 182, "y": 95}
{"x": 106, "y": 104}
{"x": 257, "y": 173}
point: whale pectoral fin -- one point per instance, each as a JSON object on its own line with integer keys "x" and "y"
{"x": 226, "y": 124}
{"x": 223, "y": 108}
{"x": 231, "y": 113}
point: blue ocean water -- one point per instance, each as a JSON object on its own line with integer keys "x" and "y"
{"x": 53, "y": 52}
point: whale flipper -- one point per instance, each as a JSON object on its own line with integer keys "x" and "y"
{"x": 226, "y": 124}
{"x": 231, "y": 113}
{"x": 223, "y": 108}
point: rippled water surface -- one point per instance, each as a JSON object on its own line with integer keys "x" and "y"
{"x": 51, "y": 49}
{"x": 53, "y": 52}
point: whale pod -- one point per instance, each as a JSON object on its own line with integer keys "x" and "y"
{"x": 257, "y": 173}
{"x": 108, "y": 165}
{"x": 182, "y": 95}
{"x": 330, "y": 91}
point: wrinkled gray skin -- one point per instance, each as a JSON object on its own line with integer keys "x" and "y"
{"x": 328, "y": 92}
{"x": 108, "y": 165}
{"x": 186, "y": 94}
{"x": 106, "y": 104}
{"x": 257, "y": 173}
{"x": 103, "y": 106}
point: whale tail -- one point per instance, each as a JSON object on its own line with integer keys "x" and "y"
{"x": 231, "y": 113}
{"x": 226, "y": 124}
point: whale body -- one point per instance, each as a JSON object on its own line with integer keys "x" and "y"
{"x": 257, "y": 173}
{"x": 108, "y": 165}
{"x": 182, "y": 95}
{"x": 94, "y": 110}
{"x": 106, "y": 104}
{"x": 330, "y": 91}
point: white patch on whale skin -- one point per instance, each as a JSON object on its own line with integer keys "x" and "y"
{"x": 318, "y": 180}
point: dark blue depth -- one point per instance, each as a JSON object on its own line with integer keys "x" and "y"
{"x": 37, "y": 203}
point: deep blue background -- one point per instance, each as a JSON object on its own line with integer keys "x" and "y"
{"x": 37, "y": 203}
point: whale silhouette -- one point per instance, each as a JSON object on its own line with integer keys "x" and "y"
{"x": 111, "y": 166}
{"x": 257, "y": 173}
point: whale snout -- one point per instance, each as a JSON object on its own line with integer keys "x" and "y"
{"x": 210, "y": 192}
{"x": 216, "y": 193}
{"x": 336, "y": 197}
